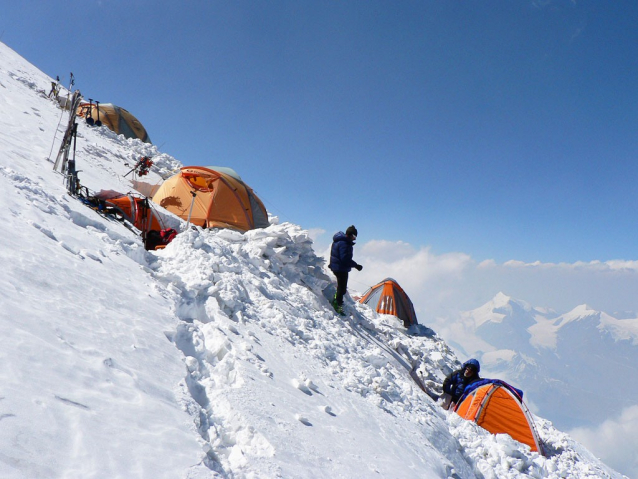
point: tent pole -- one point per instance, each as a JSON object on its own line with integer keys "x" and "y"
{"x": 193, "y": 194}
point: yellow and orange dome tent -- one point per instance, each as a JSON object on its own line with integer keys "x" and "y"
{"x": 212, "y": 197}
{"x": 116, "y": 118}
{"x": 387, "y": 297}
{"x": 499, "y": 408}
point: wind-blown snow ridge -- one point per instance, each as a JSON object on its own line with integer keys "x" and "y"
{"x": 217, "y": 357}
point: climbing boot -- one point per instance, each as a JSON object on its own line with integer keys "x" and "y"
{"x": 337, "y": 307}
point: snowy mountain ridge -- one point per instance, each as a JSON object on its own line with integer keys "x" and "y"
{"x": 496, "y": 310}
{"x": 543, "y": 325}
{"x": 216, "y": 357}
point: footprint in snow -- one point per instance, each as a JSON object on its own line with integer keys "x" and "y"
{"x": 327, "y": 410}
{"x": 310, "y": 385}
{"x": 302, "y": 387}
{"x": 47, "y": 232}
{"x": 303, "y": 420}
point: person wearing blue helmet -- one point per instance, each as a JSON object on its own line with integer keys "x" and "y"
{"x": 457, "y": 381}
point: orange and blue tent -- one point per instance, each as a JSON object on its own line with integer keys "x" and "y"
{"x": 499, "y": 408}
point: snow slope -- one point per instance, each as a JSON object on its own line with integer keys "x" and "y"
{"x": 216, "y": 357}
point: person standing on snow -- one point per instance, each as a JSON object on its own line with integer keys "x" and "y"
{"x": 457, "y": 381}
{"x": 341, "y": 263}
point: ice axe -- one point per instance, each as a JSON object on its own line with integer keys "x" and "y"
{"x": 89, "y": 116}
{"x": 97, "y": 107}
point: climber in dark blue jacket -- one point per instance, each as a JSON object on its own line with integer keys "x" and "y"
{"x": 341, "y": 263}
{"x": 456, "y": 382}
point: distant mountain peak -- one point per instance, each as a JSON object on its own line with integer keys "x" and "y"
{"x": 504, "y": 304}
{"x": 497, "y": 309}
{"x": 579, "y": 313}
{"x": 501, "y": 299}
{"x": 583, "y": 307}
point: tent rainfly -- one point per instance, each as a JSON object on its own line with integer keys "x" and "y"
{"x": 116, "y": 119}
{"x": 137, "y": 211}
{"x": 387, "y": 297}
{"x": 212, "y": 197}
{"x": 499, "y": 408}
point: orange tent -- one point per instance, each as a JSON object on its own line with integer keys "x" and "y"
{"x": 387, "y": 297}
{"x": 498, "y": 407}
{"x": 136, "y": 211}
{"x": 212, "y": 197}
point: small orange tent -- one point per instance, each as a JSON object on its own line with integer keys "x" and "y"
{"x": 498, "y": 407}
{"x": 116, "y": 118}
{"x": 212, "y": 197}
{"x": 136, "y": 211}
{"x": 387, "y": 297}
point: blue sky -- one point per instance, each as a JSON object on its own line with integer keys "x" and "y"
{"x": 505, "y": 130}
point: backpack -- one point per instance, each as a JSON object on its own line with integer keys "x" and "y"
{"x": 159, "y": 239}
{"x": 168, "y": 235}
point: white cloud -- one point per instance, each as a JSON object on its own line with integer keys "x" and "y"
{"x": 441, "y": 285}
{"x": 414, "y": 269}
{"x": 520, "y": 264}
{"x": 621, "y": 264}
{"x": 487, "y": 263}
{"x": 388, "y": 250}
{"x": 614, "y": 441}
{"x": 316, "y": 233}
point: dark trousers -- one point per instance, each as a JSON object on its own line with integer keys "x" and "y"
{"x": 342, "y": 285}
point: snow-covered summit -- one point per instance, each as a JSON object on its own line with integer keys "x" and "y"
{"x": 583, "y": 316}
{"x": 579, "y": 313}
{"x": 499, "y": 309}
{"x": 217, "y": 357}
{"x": 500, "y": 300}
